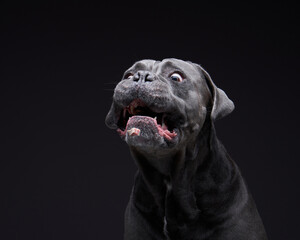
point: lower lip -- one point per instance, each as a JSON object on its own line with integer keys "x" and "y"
{"x": 134, "y": 131}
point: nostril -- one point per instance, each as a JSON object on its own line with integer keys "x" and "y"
{"x": 143, "y": 76}
{"x": 149, "y": 77}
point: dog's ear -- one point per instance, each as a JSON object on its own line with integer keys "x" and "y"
{"x": 221, "y": 105}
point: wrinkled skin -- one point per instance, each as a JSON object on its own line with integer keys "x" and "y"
{"x": 187, "y": 186}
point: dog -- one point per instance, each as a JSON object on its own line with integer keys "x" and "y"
{"x": 186, "y": 186}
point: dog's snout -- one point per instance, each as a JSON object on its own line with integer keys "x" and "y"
{"x": 143, "y": 76}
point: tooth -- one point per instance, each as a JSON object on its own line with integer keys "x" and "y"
{"x": 155, "y": 118}
{"x": 134, "y": 132}
{"x": 163, "y": 125}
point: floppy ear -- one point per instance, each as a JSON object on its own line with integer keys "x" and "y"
{"x": 222, "y": 105}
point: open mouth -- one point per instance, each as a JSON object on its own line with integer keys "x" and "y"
{"x": 138, "y": 117}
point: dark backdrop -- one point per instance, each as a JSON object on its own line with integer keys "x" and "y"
{"x": 64, "y": 175}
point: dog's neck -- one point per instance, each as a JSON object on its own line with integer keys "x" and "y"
{"x": 184, "y": 194}
{"x": 179, "y": 168}
{"x": 168, "y": 161}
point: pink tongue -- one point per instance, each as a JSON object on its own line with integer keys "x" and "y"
{"x": 164, "y": 132}
{"x": 134, "y": 122}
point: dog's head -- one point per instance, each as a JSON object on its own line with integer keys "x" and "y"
{"x": 159, "y": 105}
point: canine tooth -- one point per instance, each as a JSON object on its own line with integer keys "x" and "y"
{"x": 163, "y": 125}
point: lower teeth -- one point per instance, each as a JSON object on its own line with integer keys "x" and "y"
{"x": 134, "y": 132}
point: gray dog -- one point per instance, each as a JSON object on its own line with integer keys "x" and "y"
{"x": 187, "y": 186}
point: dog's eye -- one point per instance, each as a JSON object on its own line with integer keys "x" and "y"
{"x": 128, "y": 76}
{"x": 176, "y": 77}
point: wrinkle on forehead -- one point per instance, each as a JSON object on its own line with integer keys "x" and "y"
{"x": 161, "y": 66}
{"x": 177, "y": 64}
{"x": 146, "y": 64}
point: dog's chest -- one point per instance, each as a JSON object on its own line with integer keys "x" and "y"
{"x": 165, "y": 227}
{"x": 169, "y": 188}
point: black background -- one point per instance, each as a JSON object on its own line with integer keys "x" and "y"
{"x": 64, "y": 175}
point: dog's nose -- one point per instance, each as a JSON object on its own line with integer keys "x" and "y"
{"x": 143, "y": 76}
